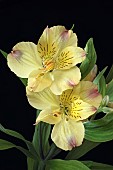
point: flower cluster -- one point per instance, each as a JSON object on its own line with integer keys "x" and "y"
{"x": 55, "y": 83}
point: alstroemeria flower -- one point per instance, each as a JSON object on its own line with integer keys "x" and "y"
{"x": 50, "y": 63}
{"x": 67, "y": 112}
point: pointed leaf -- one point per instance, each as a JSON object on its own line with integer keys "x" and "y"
{"x": 97, "y": 166}
{"x": 98, "y": 77}
{"x": 102, "y": 86}
{"x": 94, "y": 129}
{"x": 58, "y": 164}
{"x": 109, "y": 91}
{"x": 4, "y": 53}
{"x": 19, "y": 136}
{"x": 24, "y": 81}
{"x": 110, "y": 75}
{"x": 90, "y": 60}
{"x": 4, "y": 144}
{"x": 78, "y": 152}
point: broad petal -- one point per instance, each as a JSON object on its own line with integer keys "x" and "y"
{"x": 49, "y": 116}
{"x": 81, "y": 110}
{"x": 42, "y": 100}
{"x": 24, "y": 59}
{"x": 68, "y": 134}
{"x": 65, "y": 79}
{"x": 53, "y": 40}
{"x": 39, "y": 80}
{"x": 70, "y": 57}
{"x": 64, "y": 37}
{"x": 90, "y": 94}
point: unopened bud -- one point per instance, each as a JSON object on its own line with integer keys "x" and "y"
{"x": 105, "y": 101}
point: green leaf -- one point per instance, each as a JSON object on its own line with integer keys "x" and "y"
{"x": 4, "y": 144}
{"x": 41, "y": 138}
{"x": 90, "y": 60}
{"x": 98, "y": 77}
{"x": 102, "y": 86}
{"x": 19, "y": 136}
{"x": 54, "y": 150}
{"x": 23, "y": 80}
{"x": 78, "y": 152}
{"x": 58, "y": 164}
{"x": 30, "y": 163}
{"x": 110, "y": 75}
{"x": 97, "y": 166}
{"x": 4, "y": 53}
{"x": 94, "y": 129}
{"x": 109, "y": 91}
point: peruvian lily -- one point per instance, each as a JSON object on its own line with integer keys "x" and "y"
{"x": 50, "y": 63}
{"x": 66, "y": 112}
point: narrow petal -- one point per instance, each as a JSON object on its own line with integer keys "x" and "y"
{"x": 70, "y": 57}
{"x": 88, "y": 92}
{"x": 65, "y": 79}
{"x": 68, "y": 134}
{"x": 49, "y": 116}
{"x": 42, "y": 100}
{"x": 39, "y": 80}
{"x": 24, "y": 59}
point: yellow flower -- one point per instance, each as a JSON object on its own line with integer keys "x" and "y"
{"x": 50, "y": 63}
{"x": 67, "y": 111}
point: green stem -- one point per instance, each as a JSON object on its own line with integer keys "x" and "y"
{"x": 52, "y": 152}
{"x": 40, "y": 142}
{"x": 41, "y": 165}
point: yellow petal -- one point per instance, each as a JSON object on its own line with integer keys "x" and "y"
{"x": 43, "y": 99}
{"x": 81, "y": 110}
{"x": 92, "y": 74}
{"x": 49, "y": 116}
{"x": 88, "y": 92}
{"x": 39, "y": 80}
{"x": 91, "y": 95}
{"x": 68, "y": 134}
{"x": 64, "y": 37}
{"x": 24, "y": 59}
{"x": 69, "y": 57}
{"x": 65, "y": 79}
{"x": 54, "y": 39}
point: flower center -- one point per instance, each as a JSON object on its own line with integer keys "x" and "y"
{"x": 48, "y": 65}
{"x": 72, "y": 110}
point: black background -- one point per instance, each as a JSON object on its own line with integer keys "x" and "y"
{"x": 25, "y": 21}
